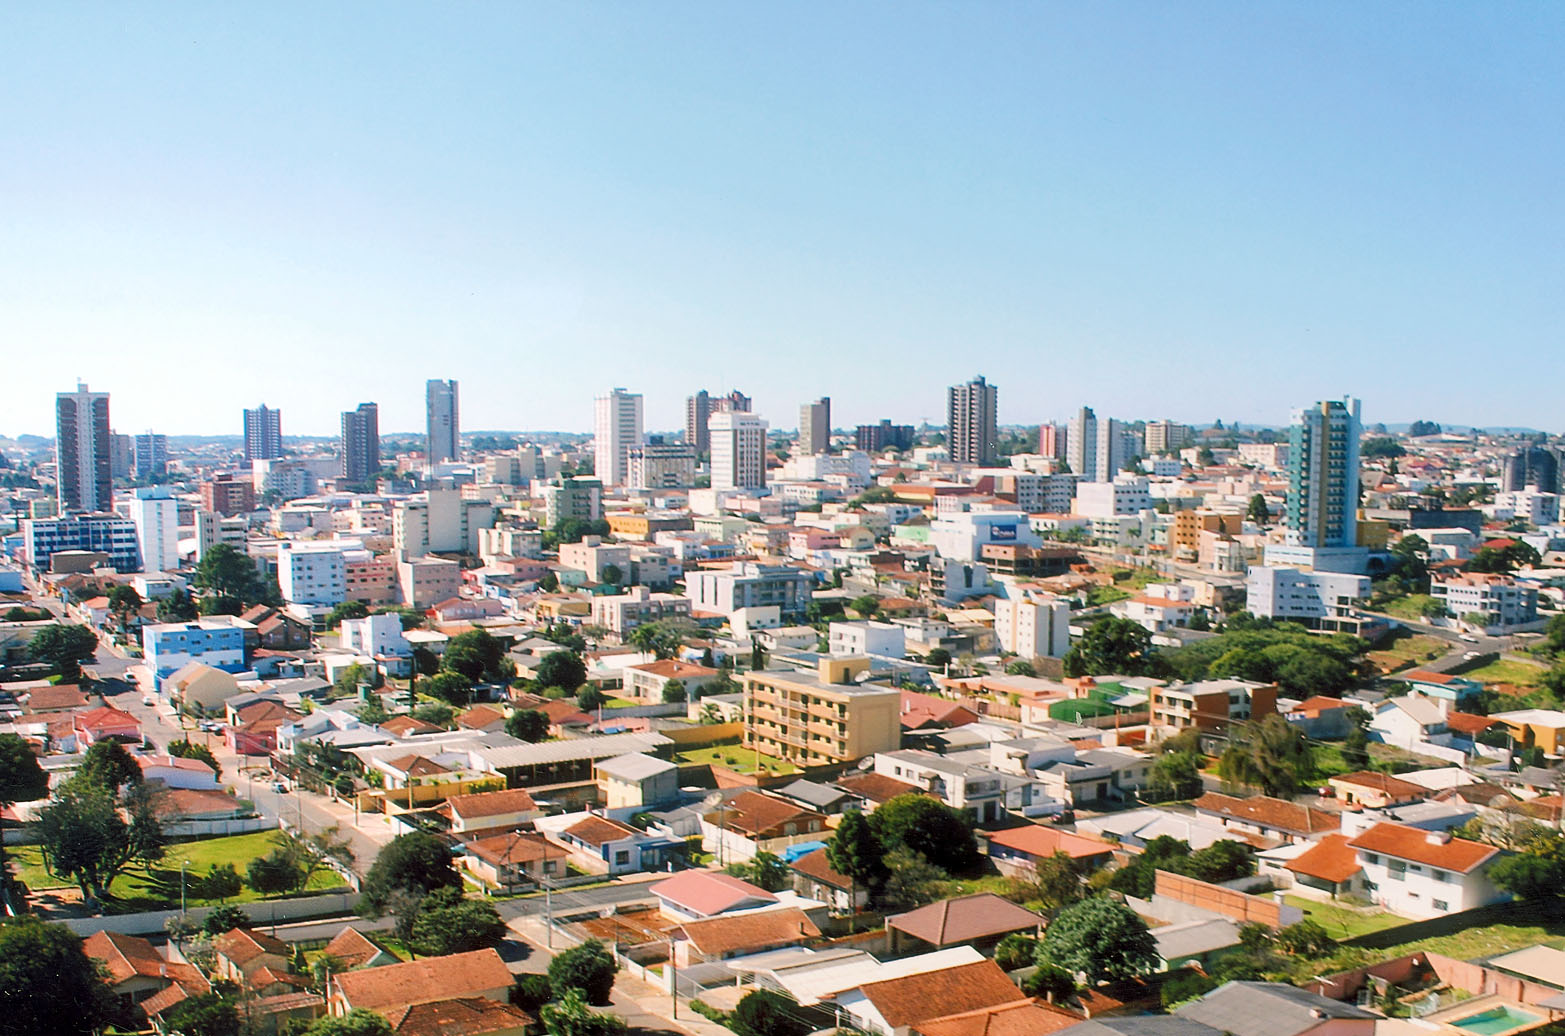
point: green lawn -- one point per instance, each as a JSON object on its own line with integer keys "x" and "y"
{"x": 1484, "y": 941}
{"x": 1522, "y": 674}
{"x": 620, "y": 703}
{"x": 1342, "y": 923}
{"x": 736, "y": 758}
{"x": 1406, "y": 649}
{"x": 157, "y": 887}
{"x": 1409, "y": 607}
{"x": 1101, "y": 595}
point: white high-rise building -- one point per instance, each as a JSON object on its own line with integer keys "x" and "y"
{"x": 616, "y": 431}
{"x": 1033, "y": 624}
{"x": 442, "y": 427}
{"x": 1097, "y": 448}
{"x": 738, "y": 450}
{"x": 155, "y": 513}
{"x": 312, "y": 573}
{"x": 1323, "y": 475}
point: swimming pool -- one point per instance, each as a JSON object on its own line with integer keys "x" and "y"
{"x": 1495, "y": 1020}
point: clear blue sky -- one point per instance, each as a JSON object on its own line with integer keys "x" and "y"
{"x": 1194, "y": 210}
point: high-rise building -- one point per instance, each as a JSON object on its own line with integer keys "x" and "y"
{"x": 735, "y": 402}
{"x": 84, "y": 466}
{"x": 972, "y": 432}
{"x": 873, "y": 438}
{"x": 1097, "y": 448}
{"x": 1531, "y": 466}
{"x": 361, "y": 442}
{"x": 156, "y": 515}
{"x": 698, "y": 408}
{"x": 616, "y": 431}
{"x": 662, "y": 465}
{"x": 122, "y": 455}
{"x": 1051, "y": 441}
{"x": 1323, "y": 475}
{"x": 815, "y": 426}
{"x": 1166, "y": 437}
{"x": 150, "y": 455}
{"x": 738, "y": 450}
{"x": 441, "y": 419}
{"x": 263, "y": 433}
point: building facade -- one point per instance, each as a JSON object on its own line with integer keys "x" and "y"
{"x": 263, "y": 433}
{"x": 1323, "y": 475}
{"x": 738, "y": 450}
{"x": 616, "y": 431}
{"x": 443, "y": 432}
{"x": 84, "y": 465}
{"x": 1034, "y": 624}
{"x": 155, "y": 513}
{"x": 815, "y": 426}
{"x": 821, "y": 718}
{"x": 360, "y": 442}
{"x": 108, "y": 534}
{"x": 971, "y": 422}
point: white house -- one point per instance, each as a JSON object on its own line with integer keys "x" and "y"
{"x": 880, "y": 639}
{"x": 1421, "y": 874}
{"x": 376, "y": 636}
{"x": 1408, "y": 720}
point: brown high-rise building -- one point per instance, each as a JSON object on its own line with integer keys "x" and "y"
{"x": 84, "y": 469}
{"x": 361, "y": 442}
{"x": 972, "y": 434}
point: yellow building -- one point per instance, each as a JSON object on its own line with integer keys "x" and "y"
{"x": 1184, "y": 532}
{"x": 1544, "y": 728}
{"x": 821, "y": 718}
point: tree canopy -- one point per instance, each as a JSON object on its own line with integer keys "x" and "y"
{"x": 1100, "y": 938}
{"x": 228, "y": 574}
{"x": 65, "y": 648}
{"x": 1270, "y": 754}
{"x": 83, "y": 837}
{"x": 47, "y": 983}
{"x": 527, "y": 725}
{"x": 563, "y": 669}
{"x": 587, "y": 968}
{"x": 415, "y": 863}
{"x": 856, "y": 851}
{"x": 477, "y": 656}
{"x": 1113, "y": 645}
{"x": 448, "y": 922}
{"x": 926, "y": 826}
{"x": 765, "y": 1013}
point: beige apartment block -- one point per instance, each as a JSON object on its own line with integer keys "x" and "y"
{"x": 821, "y": 718}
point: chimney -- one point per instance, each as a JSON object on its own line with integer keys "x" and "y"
{"x": 1438, "y": 837}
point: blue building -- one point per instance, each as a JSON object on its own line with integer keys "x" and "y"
{"x": 216, "y": 640}
{"x": 42, "y": 538}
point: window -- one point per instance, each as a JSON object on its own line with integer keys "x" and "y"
{"x": 1440, "y": 875}
{"x": 1397, "y": 868}
{"x": 622, "y": 857}
{"x": 1441, "y": 904}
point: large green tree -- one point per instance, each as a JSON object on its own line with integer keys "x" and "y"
{"x": 476, "y": 655}
{"x": 124, "y": 602}
{"x": 448, "y": 923}
{"x": 47, "y": 984}
{"x": 227, "y": 574}
{"x": 1270, "y": 754}
{"x": 1101, "y": 939}
{"x": 414, "y": 864}
{"x": 587, "y": 968}
{"x": 358, "y": 1022}
{"x": 856, "y": 852}
{"x": 563, "y": 669}
{"x": 205, "y": 1014}
{"x": 1112, "y": 646}
{"x": 926, "y": 826}
{"x": 527, "y": 725}
{"x": 22, "y": 779}
{"x": 108, "y": 764}
{"x": 765, "y": 1013}
{"x": 65, "y": 648}
{"x": 83, "y": 837}
{"x": 572, "y": 1017}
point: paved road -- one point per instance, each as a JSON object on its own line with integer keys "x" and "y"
{"x": 573, "y": 899}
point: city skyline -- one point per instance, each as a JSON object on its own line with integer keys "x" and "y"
{"x": 1100, "y": 204}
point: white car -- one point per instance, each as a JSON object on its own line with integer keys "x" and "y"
{"x": 147, "y": 699}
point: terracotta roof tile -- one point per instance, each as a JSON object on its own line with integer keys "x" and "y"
{"x": 760, "y": 815}
{"x": 595, "y": 830}
{"x": 352, "y": 948}
{"x": 1028, "y": 1018}
{"x": 242, "y": 945}
{"x": 1330, "y": 859}
{"x": 514, "y": 849}
{"x": 124, "y": 956}
{"x": 876, "y": 787}
{"x": 707, "y": 892}
{"x": 673, "y": 668}
{"x": 424, "y": 980}
{"x": 1381, "y": 782}
{"x": 750, "y": 931}
{"x": 491, "y": 803}
{"x": 480, "y": 716}
{"x": 1264, "y": 811}
{"x": 459, "y": 1016}
{"x": 1411, "y": 843}
{"x": 415, "y": 765}
{"x": 817, "y": 867}
{"x": 1037, "y": 840}
{"x": 936, "y": 994}
{"x": 964, "y": 919}
{"x": 402, "y": 726}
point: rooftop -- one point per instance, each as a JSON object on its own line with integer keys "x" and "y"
{"x": 935, "y": 994}
{"x": 424, "y": 980}
{"x": 749, "y": 930}
{"x": 1419, "y": 846}
{"x": 964, "y": 919}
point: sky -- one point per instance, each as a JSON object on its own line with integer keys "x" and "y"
{"x": 1195, "y": 211}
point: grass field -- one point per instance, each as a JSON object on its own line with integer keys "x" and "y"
{"x": 1522, "y": 674}
{"x": 1342, "y": 923}
{"x": 157, "y": 887}
{"x": 1406, "y": 649}
{"x": 1329, "y": 762}
{"x": 1409, "y": 607}
{"x": 1483, "y": 941}
{"x": 735, "y": 758}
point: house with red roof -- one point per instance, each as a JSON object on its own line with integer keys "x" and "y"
{"x": 135, "y": 971}
{"x": 1328, "y": 868}
{"x": 1016, "y": 851}
{"x": 645, "y": 682}
{"x": 1421, "y": 874}
{"x": 105, "y": 723}
{"x": 692, "y": 895}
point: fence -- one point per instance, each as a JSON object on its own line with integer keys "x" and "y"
{"x": 218, "y": 828}
{"x": 266, "y": 912}
{"x": 1177, "y": 889}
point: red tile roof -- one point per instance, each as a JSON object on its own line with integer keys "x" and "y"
{"x": 242, "y": 945}
{"x": 416, "y": 765}
{"x": 817, "y": 867}
{"x": 196, "y": 803}
{"x": 1037, "y": 840}
{"x": 1467, "y": 723}
{"x": 759, "y": 815}
{"x": 425, "y": 980}
{"x": 124, "y": 957}
{"x": 105, "y": 717}
{"x": 596, "y": 830}
{"x": 1381, "y": 782}
{"x": 876, "y": 787}
{"x": 491, "y": 803}
{"x": 512, "y": 849}
{"x": 964, "y": 919}
{"x": 1415, "y": 845}
{"x": 480, "y": 716}
{"x": 750, "y": 931}
{"x": 936, "y": 994}
{"x": 459, "y": 1016}
{"x": 1264, "y": 811}
{"x": 1330, "y": 859}
{"x": 1028, "y": 1018}
{"x": 352, "y": 948}
{"x": 673, "y": 668}
{"x": 402, "y": 726}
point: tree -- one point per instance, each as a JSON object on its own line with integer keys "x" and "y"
{"x": 561, "y": 669}
{"x": 108, "y": 764}
{"x": 938, "y": 657}
{"x": 346, "y": 610}
{"x": 360, "y": 1021}
{"x": 1306, "y": 939}
{"x": 587, "y": 969}
{"x": 451, "y": 687}
{"x": 1269, "y": 754}
{"x": 764, "y": 869}
{"x": 47, "y": 984}
{"x": 1184, "y": 986}
{"x": 658, "y": 638}
{"x": 224, "y": 918}
{"x": 205, "y": 1014}
{"x": 1055, "y": 882}
{"x": 1258, "y": 512}
{"x": 275, "y": 873}
{"x": 1176, "y": 775}
{"x": 1112, "y": 645}
{"x": 221, "y": 883}
{"x": 589, "y": 698}
{"x": 310, "y": 852}
{"x": 927, "y": 826}
{"x": 476, "y": 655}
{"x": 124, "y": 602}
{"x": 866, "y": 605}
{"x": 856, "y": 852}
{"x": 65, "y": 648}
{"x": 1020, "y": 667}
{"x": 549, "y": 583}
{"x": 177, "y": 607}
{"x": 1053, "y": 983}
{"x": 1355, "y": 747}
{"x": 531, "y": 992}
{"x": 612, "y": 574}
{"x": 82, "y": 836}
{"x": 572, "y": 1017}
{"x": 1016, "y": 951}
{"x": 527, "y": 725}
{"x": 674, "y": 692}
{"x": 224, "y": 572}
{"x": 416, "y": 863}
{"x": 438, "y": 713}
{"x": 1101, "y": 939}
{"x": 448, "y": 923}
{"x": 765, "y": 1013}
{"x": 187, "y": 749}
{"x": 21, "y": 780}
{"x": 911, "y": 880}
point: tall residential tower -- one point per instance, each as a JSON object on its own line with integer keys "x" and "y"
{"x": 263, "y": 433}
{"x": 443, "y": 427}
{"x": 1323, "y": 475}
{"x": 361, "y": 442}
{"x": 82, "y": 450}
{"x": 972, "y": 432}
{"x": 616, "y": 431}
{"x": 815, "y": 426}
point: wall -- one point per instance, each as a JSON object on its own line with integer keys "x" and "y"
{"x": 335, "y": 904}
{"x": 1177, "y": 888}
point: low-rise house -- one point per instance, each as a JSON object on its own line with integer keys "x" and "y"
{"x": 244, "y": 954}
{"x": 175, "y": 772}
{"x": 461, "y": 1016}
{"x": 1327, "y": 869}
{"x": 815, "y": 878}
{"x": 1028, "y": 1018}
{"x": 200, "y": 805}
{"x": 200, "y": 689}
{"x": 1544, "y": 728}
{"x": 516, "y": 860}
{"x": 252, "y": 729}
{"x": 1272, "y": 818}
{"x": 1447, "y": 691}
{"x": 135, "y": 971}
{"x": 485, "y": 718}
{"x": 390, "y": 990}
{"x": 1409, "y": 720}
{"x": 65, "y": 697}
{"x": 645, "y": 682}
{"x": 105, "y": 723}
{"x": 637, "y": 780}
{"x": 1198, "y": 942}
{"x": 1276, "y": 1009}
{"x": 753, "y": 822}
{"x": 822, "y": 798}
{"x": 1420, "y": 874}
{"x": 352, "y": 949}
{"x": 487, "y": 810}
{"x": 891, "y": 1007}
{"x": 980, "y": 920}
{"x": 1017, "y": 851}
{"x": 693, "y": 895}
{"x": 1370, "y": 789}
{"x": 874, "y": 789}
{"x": 407, "y": 726}
{"x": 605, "y": 846}
{"x": 740, "y": 934}
{"x": 1210, "y": 704}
